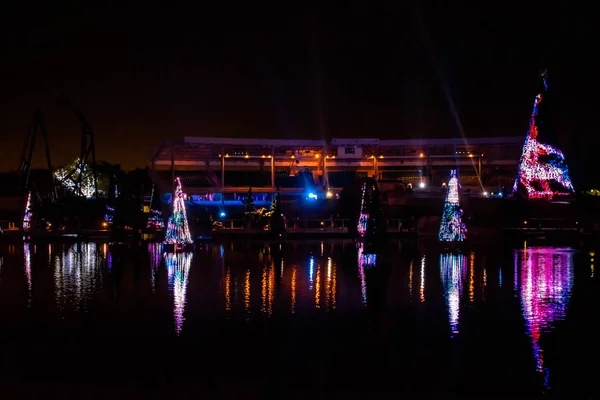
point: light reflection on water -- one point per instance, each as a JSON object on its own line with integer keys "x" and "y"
{"x": 178, "y": 269}
{"x": 155, "y": 253}
{"x": 262, "y": 282}
{"x": 453, "y": 272}
{"x": 544, "y": 281}
{"x": 77, "y": 275}
{"x": 27, "y": 264}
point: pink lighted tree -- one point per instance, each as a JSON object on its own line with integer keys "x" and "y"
{"x": 543, "y": 171}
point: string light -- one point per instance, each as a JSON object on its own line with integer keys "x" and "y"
{"x": 452, "y": 229}
{"x": 543, "y": 171}
{"x": 178, "y": 231}
{"x": 363, "y": 217}
{"x": 28, "y": 214}
{"x": 69, "y": 176}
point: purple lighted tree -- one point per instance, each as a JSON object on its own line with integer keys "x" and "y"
{"x": 178, "y": 231}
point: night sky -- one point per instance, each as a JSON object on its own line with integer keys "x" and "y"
{"x": 143, "y": 74}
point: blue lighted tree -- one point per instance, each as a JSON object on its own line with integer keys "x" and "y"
{"x": 452, "y": 229}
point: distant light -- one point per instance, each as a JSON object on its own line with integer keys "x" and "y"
{"x": 485, "y": 194}
{"x": 222, "y": 214}
{"x": 293, "y": 156}
{"x": 312, "y": 196}
{"x": 329, "y": 194}
{"x": 317, "y": 155}
{"x": 471, "y": 155}
{"x": 246, "y": 156}
{"x": 381, "y": 156}
{"x": 421, "y": 155}
{"x": 422, "y": 185}
{"x": 226, "y": 155}
{"x": 263, "y": 156}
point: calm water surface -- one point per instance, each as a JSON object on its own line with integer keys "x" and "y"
{"x": 306, "y": 319}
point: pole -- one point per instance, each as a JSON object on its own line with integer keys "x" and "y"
{"x": 273, "y": 167}
{"x": 479, "y": 170}
{"x": 172, "y": 169}
{"x": 222, "y": 168}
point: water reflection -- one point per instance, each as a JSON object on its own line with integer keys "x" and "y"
{"x": 545, "y": 284}
{"x": 76, "y": 275}
{"x": 331, "y": 284}
{"x": 365, "y": 261}
{"x": 27, "y": 264}
{"x": 178, "y": 269}
{"x": 155, "y": 252}
{"x": 422, "y": 287}
{"x": 267, "y": 289}
{"x": 453, "y": 271}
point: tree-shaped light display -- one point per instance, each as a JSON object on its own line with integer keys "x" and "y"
{"x": 363, "y": 216}
{"x": 452, "y": 229}
{"x": 543, "y": 171}
{"x": 27, "y": 216}
{"x": 178, "y": 231}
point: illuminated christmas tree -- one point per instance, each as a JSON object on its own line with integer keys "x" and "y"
{"x": 543, "y": 171}
{"x": 27, "y": 216}
{"x": 363, "y": 216}
{"x": 155, "y": 219}
{"x": 452, "y": 229}
{"x": 178, "y": 231}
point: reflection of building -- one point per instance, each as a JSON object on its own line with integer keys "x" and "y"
{"x": 178, "y": 269}
{"x": 545, "y": 281}
{"x": 77, "y": 274}
{"x": 453, "y": 271}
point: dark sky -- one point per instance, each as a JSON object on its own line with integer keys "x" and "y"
{"x": 143, "y": 74}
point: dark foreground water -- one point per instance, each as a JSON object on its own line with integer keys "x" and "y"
{"x": 303, "y": 320}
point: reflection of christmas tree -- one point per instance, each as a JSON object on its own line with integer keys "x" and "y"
{"x": 178, "y": 231}
{"x": 452, "y": 229}
{"x": 155, "y": 219}
{"x": 178, "y": 269}
{"x": 28, "y": 214}
{"x": 543, "y": 171}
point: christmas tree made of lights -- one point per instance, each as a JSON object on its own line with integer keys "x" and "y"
{"x": 178, "y": 231}
{"x": 363, "y": 216}
{"x": 543, "y": 171}
{"x": 28, "y": 215}
{"x": 452, "y": 229}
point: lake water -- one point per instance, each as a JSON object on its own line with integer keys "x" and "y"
{"x": 297, "y": 320}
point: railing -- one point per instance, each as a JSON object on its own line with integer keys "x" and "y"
{"x": 308, "y": 225}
